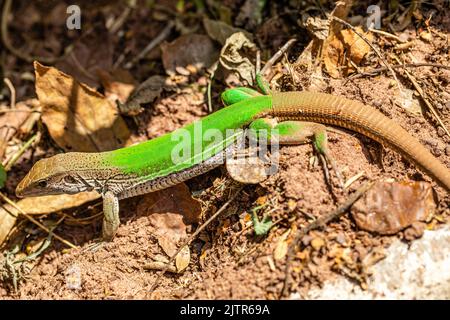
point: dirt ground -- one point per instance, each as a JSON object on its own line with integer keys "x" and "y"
{"x": 227, "y": 261}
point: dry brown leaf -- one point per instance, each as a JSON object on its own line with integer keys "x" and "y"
{"x": 8, "y": 217}
{"x": 54, "y": 203}
{"x": 118, "y": 84}
{"x": 190, "y": 49}
{"x": 176, "y": 200}
{"x": 11, "y": 121}
{"x": 281, "y": 248}
{"x": 145, "y": 93}
{"x": 344, "y": 49}
{"x": 183, "y": 258}
{"x": 41, "y": 205}
{"x": 169, "y": 211}
{"x": 390, "y": 206}
{"x": 356, "y": 47}
{"x": 78, "y": 117}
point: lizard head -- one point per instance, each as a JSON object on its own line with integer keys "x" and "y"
{"x": 54, "y": 175}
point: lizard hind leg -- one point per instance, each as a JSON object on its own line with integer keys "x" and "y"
{"x": 298, "y": 132}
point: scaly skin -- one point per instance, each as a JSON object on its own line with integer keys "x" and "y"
{"x": 148, "y": 166}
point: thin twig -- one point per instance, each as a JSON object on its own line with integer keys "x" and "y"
{"x": 123, "y": 17}
{"x": 153, "y": 44}
{"x": 277, "y": 55}
{"x": 386, "y": 34}
{"x": 211, "y": 79}
{"x": 11, "y": 88}
{"x": 192, "y": 237}
{"x": 320, "y": 222}
{"x": 40, "y": 225}
{"x": 397, "y": 66}
{"x": 424, "y": 98}
{"x": 20, "y": 152}
{"x": 378, "y": 53}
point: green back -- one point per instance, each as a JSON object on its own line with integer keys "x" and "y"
{"x": 153, "y": 158}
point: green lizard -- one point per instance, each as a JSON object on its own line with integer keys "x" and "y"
{"x": 150, "y": 166}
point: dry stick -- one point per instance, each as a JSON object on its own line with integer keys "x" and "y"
{"x": 153, "y": 44}
{"x": 386, "y": 34}
{"x": 18, "y": 53}
{"x": 396, "y": 66}
{"x": 40, "y": 225}
{"x": 378, "y": 53}
{"x": 123, "y": 17}
{"x": 13, "y": 92}
{"x": 200, "y": 229}
{"x": 320, "y": 222}
{"x": 20, "y": 152}
{"x": 277, "y": 55}
{"x": 424, "y": 98}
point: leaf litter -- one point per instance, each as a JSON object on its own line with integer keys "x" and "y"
{"x": 302, "y": 196}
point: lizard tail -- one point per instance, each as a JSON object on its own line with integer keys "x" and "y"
{"x": 354, "y": 115}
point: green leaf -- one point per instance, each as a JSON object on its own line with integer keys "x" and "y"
{"x": 261, "y": 227}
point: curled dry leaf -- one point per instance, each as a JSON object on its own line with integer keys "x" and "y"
{"x": 236, "y": 55}
{"x": 389, "y": 207}
{"x": 78, "y": 118}
{"x": 190, "y": 49}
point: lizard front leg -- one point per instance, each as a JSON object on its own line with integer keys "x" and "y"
{"x": 111, "y": 219}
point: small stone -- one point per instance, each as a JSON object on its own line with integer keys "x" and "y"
{"x": 436, "y": 152}
{"x": 183, "y": 71}
{"x": 317, "y": 243}
{"x": 415, "y": 231}
{"x": 426, "y": 36}
{"x": 447, "y": 150}
{"x": 440, "y": 132}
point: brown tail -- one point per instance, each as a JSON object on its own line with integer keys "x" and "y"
{"x": 353, "y": 115}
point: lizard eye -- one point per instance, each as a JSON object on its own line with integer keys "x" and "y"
{"x": 42, "y": 184}
{"x": 70, "y": 179}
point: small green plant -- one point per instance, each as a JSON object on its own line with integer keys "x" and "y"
{"x": 262, "y": 226}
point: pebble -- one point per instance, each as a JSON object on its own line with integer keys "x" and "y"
{"x": 436, "y": 152}
{"x": 317, "y": 243}
{"x": 440, "y": 132}
{"x": 447, "y": 150}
